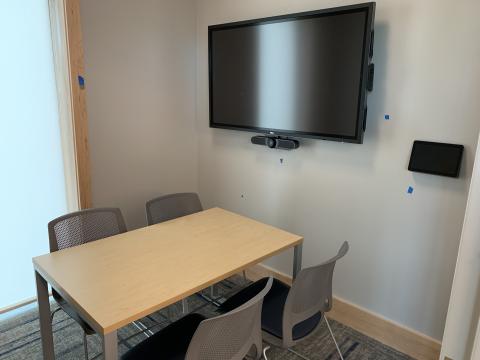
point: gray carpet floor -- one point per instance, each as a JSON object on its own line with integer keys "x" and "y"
{"x": 20, "y": 337}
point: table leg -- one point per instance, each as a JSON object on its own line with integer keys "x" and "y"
{"x": 297, "y": 260}
{"x": 110, "y": 346}
{"x": 185, "y": 306}
{"x": 45, "y": 320}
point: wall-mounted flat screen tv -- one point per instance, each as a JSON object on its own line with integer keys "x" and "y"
{"x": 300, "y": 75}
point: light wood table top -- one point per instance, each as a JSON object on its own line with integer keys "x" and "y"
{"x": 120, "y": 279}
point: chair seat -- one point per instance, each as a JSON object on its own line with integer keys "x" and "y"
{"x": 272, "y": 310}
{"x": 170, "y": 343}
{"x": 72, "y": 313}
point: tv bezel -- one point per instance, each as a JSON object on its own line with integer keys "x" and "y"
{"x": 360, "y": 125}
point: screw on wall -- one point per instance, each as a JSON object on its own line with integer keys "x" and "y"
{"x": 281, "y": 161}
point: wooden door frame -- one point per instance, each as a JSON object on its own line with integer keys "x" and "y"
{"x": 70, "y": 78}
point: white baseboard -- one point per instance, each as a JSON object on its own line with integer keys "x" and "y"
{"x": 15, "y": 306}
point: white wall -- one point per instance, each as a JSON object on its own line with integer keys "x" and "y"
{"x": 476, "y": 344}
{"x": 140, "y": 82}
{"x": 403, "y": 247}
{"x": 143, "y": 78}
{"x": 464, "y": 309}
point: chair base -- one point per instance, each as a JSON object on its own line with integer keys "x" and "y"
{"x": 333, "y": 337}
{"x": 184, "y": 306}
{"x": 298, "y": 354}
{"x": 265, "y": 352}
{"x": 85, "y": 345}
{"x": 278, "y": 342}
{"x": 143, "y": 328}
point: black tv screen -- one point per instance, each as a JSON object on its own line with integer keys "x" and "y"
{"x": 299, "y": 75}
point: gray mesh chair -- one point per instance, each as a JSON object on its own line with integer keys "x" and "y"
{"x": 79, "y": 228}
{"x": 169, "y": 207}
{"x": 230, "y": 336}
{"x": 291, "y": 314}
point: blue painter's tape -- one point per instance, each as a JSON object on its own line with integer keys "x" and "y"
{"x": 410, "y": 190}
{"x": 387, "y": 117}
{"x": 81, "y": 82}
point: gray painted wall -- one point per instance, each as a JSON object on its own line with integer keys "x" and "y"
{"x": 147, "y": 82}
{"x": 403, "y": 247}
{"x": 140, "y": 82}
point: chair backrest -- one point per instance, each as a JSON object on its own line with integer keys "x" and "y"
{"x": 311, "y": 293}
{"x": 172, "y": 206}
{"x": 230, "y": 336}
{"x": 84, "y": 226}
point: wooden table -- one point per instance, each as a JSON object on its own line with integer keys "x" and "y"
{"x": 120, "y": 279}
